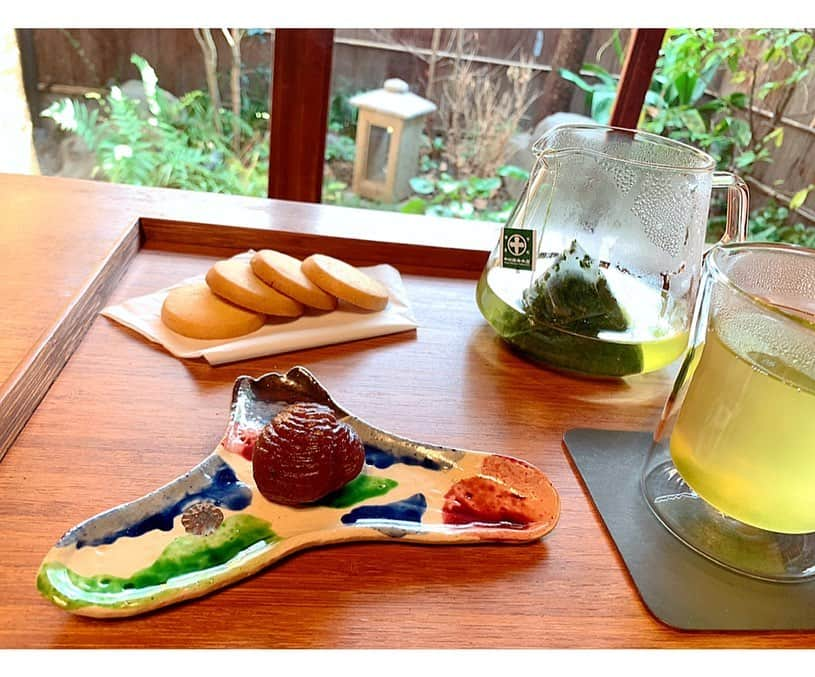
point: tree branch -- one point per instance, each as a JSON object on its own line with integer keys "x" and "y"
{"x": 233, "y": 38}
{"x": 210, "y": 53}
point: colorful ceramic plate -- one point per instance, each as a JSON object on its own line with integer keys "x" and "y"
{"x": 211, "y": 527}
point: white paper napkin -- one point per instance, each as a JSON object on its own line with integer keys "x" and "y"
{"x": 143, "y": 314}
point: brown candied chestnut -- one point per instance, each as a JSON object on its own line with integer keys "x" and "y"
{"x": 305, "y": 453}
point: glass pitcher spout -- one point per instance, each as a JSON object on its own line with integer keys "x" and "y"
{"x": 622, "y": 145}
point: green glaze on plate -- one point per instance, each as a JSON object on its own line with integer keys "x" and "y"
{"x": 187, "y": 555}
{"x": 357, "y": 490}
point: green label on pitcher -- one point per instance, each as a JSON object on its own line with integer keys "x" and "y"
{"x": 518, "y": 246}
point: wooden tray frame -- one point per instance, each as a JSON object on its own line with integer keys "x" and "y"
{"x": 30, "y": 381}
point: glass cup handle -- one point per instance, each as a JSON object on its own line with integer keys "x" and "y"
{"x": 738, "y": 205}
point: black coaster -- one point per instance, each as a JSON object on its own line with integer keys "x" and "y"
{"x": 679, "y": 586}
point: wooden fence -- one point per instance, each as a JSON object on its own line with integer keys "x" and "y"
{"x": 64, "y": 59}
{"x": 95, "y": 57}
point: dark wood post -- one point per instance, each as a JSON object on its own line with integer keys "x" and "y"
{"x": 570, "y": 53}
{"x": 28, "y": 63}
{"x": 635, "y": 79}
{"x": 299, "y": 112}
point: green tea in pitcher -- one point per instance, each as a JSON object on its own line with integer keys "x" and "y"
{"x": 745, "y": 433}
{"x": 579, "y": 317}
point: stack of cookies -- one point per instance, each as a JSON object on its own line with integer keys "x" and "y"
{"x": 239, "y": 296}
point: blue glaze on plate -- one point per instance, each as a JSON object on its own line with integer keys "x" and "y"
{"x": 409, "y": 509}
{"x": 380, "y": 458}
{"x": 213, "y": 481}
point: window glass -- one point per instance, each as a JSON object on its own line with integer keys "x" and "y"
{"x": 181, "y": 108}
{"x": 473, "y": 103}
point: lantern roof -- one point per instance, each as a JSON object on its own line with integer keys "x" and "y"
{"x": 395, "y": 99}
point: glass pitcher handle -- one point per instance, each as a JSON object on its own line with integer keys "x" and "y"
{"x": 738, "y": 209}
{"x": 738, "y": 205}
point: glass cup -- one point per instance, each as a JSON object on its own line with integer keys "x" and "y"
{"x": 731, "y": 471}
{"x": 619, "y": 219}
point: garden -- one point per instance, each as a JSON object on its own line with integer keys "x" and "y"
{"x": 727, "y": 92}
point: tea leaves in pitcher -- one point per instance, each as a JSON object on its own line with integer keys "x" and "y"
{"x": 580, "y": 317}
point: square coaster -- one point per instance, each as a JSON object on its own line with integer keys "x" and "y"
{"x": 679, "y": 586}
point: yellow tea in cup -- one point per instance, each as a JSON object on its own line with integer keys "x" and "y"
{"x": 731, "y": 470}
{"x": 744, "y": 439}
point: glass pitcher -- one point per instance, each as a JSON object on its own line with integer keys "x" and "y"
{"x": 597, "y": 269}
{"x": 731, "y": 471}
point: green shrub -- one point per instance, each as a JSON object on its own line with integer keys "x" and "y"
{"x": 167, "y": 142}
{"x": 342, "y": 116}
{"x": 340, "y": 148}
{"x": 679, "y": 105}
{"x": 772, "y": 223}
{"x": 469, "y": 198}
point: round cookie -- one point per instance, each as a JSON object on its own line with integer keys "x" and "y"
{"x": 234, "y": 281}
{"x": 195, "y": 312}
{"x": 345, "y": 282}
{"x": 283, "y": 272}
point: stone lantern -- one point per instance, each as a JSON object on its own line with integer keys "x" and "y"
{"x": 389, "y": 131}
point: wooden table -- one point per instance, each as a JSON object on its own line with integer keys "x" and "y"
{"x": 124, "y": 417}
